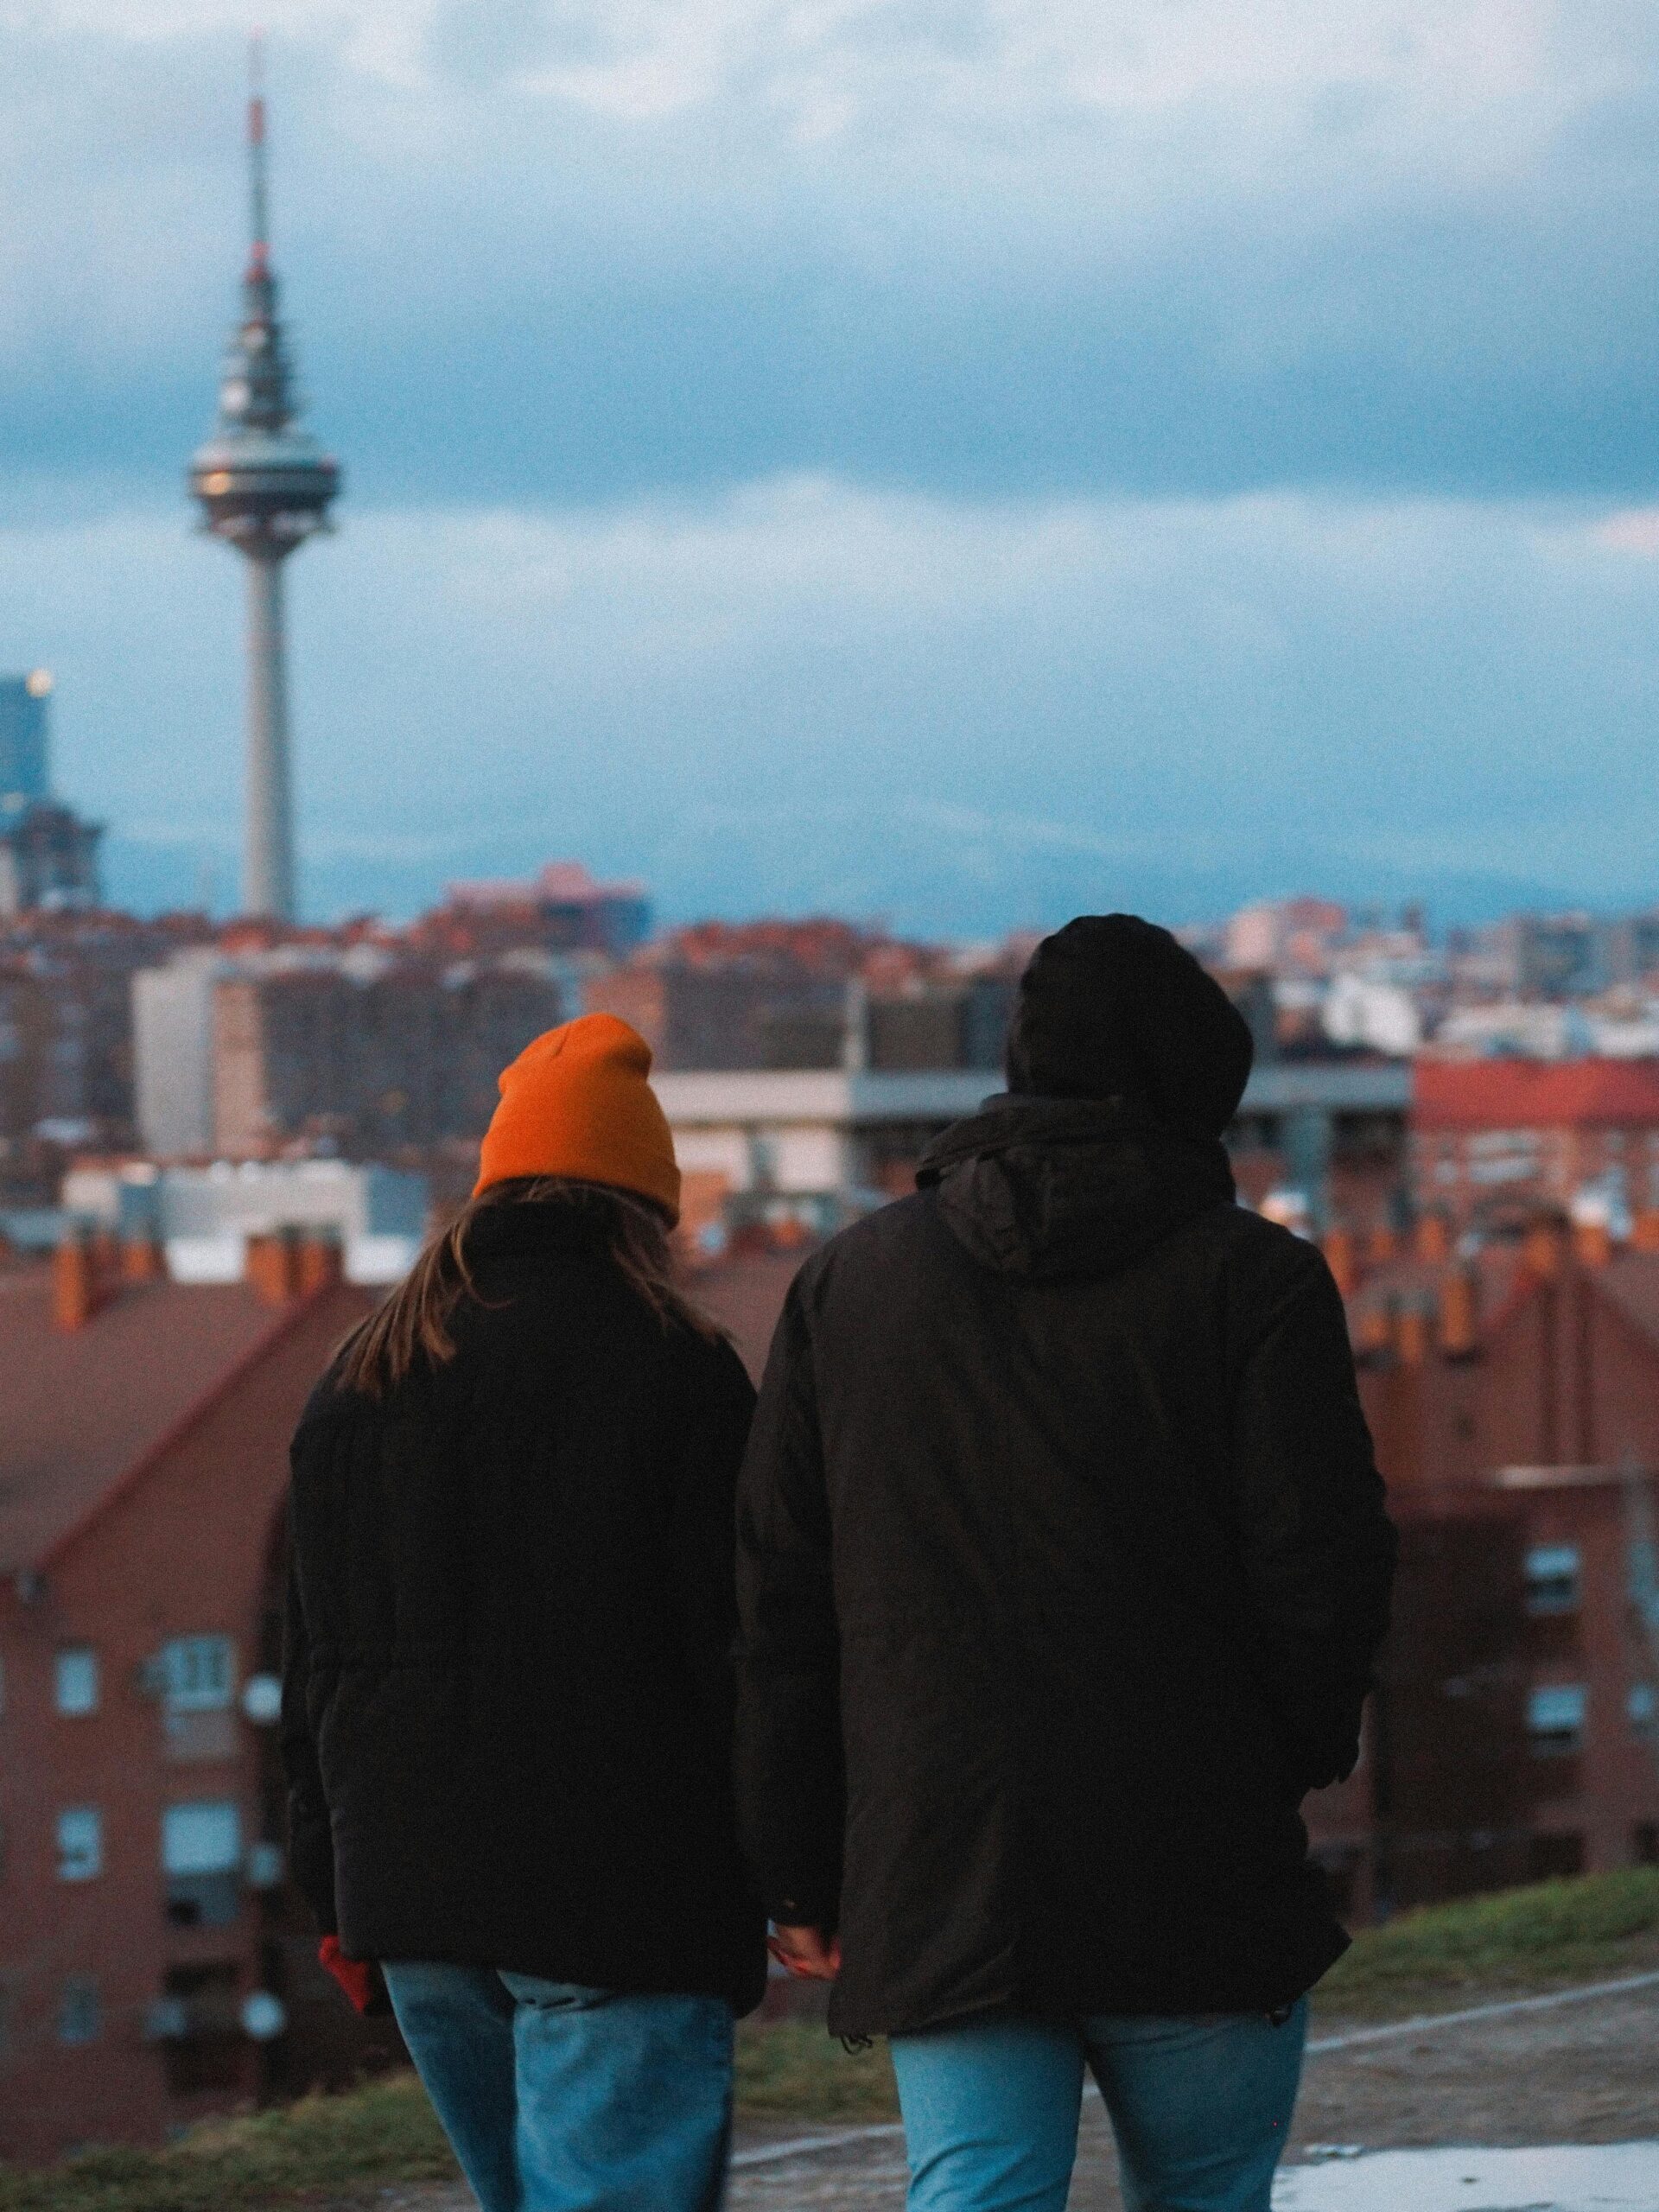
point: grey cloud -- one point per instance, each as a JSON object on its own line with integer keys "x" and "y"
{"x": 479, "y": 43}
{"x": 515, "y": 297}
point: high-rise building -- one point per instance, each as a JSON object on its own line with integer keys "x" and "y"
{"x": 23, "y": 739}
{"x": 264, "y": 488}
{"x": 48, "y": 855}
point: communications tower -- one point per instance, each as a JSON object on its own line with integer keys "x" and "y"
{"x": 264, "y": 487}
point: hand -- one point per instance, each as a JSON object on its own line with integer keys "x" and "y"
{"x": 361, "y": 1978}
{"x": 807, "y": 1953}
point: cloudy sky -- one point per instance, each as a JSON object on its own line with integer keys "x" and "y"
{"x": 954, "y": 459}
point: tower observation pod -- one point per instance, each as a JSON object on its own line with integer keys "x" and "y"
{"x": 264, "y": 487}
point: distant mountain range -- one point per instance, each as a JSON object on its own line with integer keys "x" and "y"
{"x": 946, "y": 877}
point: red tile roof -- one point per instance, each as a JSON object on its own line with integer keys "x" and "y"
{"x": 80, "y": 1409}
{"x": 1517, "y": 1093}
{"x": 745, "y": 1293}
{"x": 1407, "y": 1280}
{"x": 1630, "y": 1282}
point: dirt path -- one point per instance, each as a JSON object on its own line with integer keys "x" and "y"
{"x": 1584, "y": 2073}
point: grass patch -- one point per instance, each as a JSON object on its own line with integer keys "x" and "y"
{"x": 318, "y": 2152}
{"x": 330, "y": 2151}
{"x": 794, "y": 2070}
{"x": 1550, "y": 1932}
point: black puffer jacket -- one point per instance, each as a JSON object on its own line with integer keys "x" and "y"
{"x": 1062, "y": 1562}
{"x": 507, "y": 1703}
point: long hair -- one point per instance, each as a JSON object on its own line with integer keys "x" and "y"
{"x": 413, "y": 1325}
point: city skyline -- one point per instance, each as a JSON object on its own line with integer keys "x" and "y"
{"x": 956, "y": 468}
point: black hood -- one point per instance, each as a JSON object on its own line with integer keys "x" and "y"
{"x": 1113, "y": 1006}
{"x": 1048, "y": 1188}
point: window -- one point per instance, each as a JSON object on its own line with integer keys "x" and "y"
{"x": 80, "y": 1843}
{"x": 198, "y": 1687}
{"x": 1645, "y": 1843}
{"x": 201, "y": 1857}
{"x": 198, "y": 1674}
{"x": 77, "y": 2010}
{"x": 1552, "y": 1580}
{"x": 1642, "y": 1707}
{"x": 1555, "y": 1717}
{"x": 75, "y": 1680}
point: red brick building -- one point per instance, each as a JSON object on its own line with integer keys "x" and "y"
{"x": 1494, "y": 1140}
{"x": 1515, "y": 1401}
{"x": 152, "y": 1965}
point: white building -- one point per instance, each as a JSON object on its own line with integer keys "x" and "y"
{"x": 204, "y": 1217}
{"x": 173, "y": 1054}
{"x": 816, "y": 1143}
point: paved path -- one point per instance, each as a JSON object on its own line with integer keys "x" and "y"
{"x": 1594, "y": 2177}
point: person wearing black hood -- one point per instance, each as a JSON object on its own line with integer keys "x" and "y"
{"x": 1062, "y": 1560}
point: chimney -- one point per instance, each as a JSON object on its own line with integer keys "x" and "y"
{"x": 1644, "y": 1230}
{"x": 142, "y": 1259}
{"x": 272, "y": 1266}
{"x": 1376, "y": 1332}
{"x": 1592, "y": 1241}
{"x": 1343, "y": 1260}
{"x": 319, "y": 1262}
{"x": 1460, "y": 1314}
{"x": 75, "y": 1283}
{"x": 1411, "y": 1332}
{"x": 1432, "y": 1238}
{"x": 1540, "y": 1251}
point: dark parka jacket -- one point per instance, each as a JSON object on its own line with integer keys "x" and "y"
{"x": 507, "y": 1699}
{"x": 1062, "y": 1559}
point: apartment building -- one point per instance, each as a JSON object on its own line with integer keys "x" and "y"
{"x": 1513, "y": 1397}
{"x": 154, "y": 1965}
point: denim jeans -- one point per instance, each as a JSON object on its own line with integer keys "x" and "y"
{"x": 1200, "y": 2108}
{"x": 559, "y": 2099}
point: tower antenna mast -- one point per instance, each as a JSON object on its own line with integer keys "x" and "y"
{"x": 259, "y": 223}
{"x": 263, "y": 486}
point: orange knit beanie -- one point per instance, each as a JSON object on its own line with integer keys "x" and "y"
{"x": 576, "y": 1102}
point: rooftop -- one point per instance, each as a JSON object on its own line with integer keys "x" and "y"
{"x": 84, "y": 1407}
{"x": 745, "y": 1295}
{"x": 1528, "y": 1094}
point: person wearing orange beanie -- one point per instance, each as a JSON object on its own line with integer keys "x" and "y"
{"x": 507, "y": 1685}
{"x": 578, "y": 1103}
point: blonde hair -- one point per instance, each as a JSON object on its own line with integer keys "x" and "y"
{"x": 413, "y": 1324}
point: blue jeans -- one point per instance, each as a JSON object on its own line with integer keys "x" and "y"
{"x": 1200, "y": 2108}
{"x": 558, "y": 2098}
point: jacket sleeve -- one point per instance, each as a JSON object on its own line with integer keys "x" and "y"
{"x": 310, "y": 1838}
{"x": 702, "y": 1507}
{"x": 1318, "y": 1547}
{"x": 791, "y": 1785}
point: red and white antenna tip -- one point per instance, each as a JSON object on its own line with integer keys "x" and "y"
{"x": 259, "y": 261}
{"x": 257, "y": 89}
